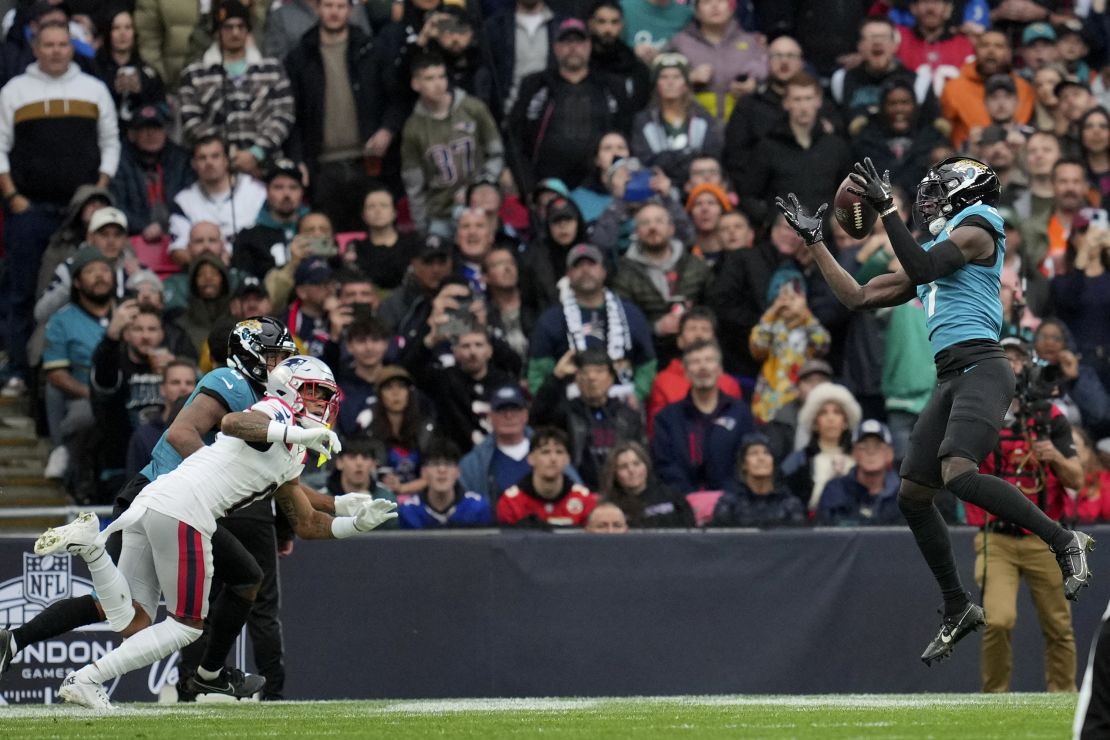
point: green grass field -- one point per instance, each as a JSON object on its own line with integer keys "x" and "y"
{"x": 942, "y": 716}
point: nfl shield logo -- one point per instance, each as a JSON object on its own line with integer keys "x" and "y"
{"x": 45, "y": 580}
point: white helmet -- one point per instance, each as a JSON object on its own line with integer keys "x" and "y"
{"x": 302, "y": 377}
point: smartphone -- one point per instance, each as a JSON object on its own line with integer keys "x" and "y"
{"x": 320, "y": 246}
{"x": 1097, "y": 217}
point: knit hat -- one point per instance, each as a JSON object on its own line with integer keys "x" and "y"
{"x": 86, "y": 256}
{"x": 670, "y": 60}
{"x": 715, "y": 190}
{"x": 226, "y": 10}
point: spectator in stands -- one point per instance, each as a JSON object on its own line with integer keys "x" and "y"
{"x": 552, "y": 137}
{"x": 1081, "y": 395}
{"x": 356, "y": 470}
{"x": 1000, "y": 149}
{"x": 1046, "y": 106}
{"x": 610, "y": 55}
{"x": 521, "y": 43}
{"x": 454, "y": 37}
{"x": 164, "y": 28}
{"x": 589, "y": 314}
{"x": 1081, "y": 297}
{"x": 1044, "y": 240}
{"x": 315, "y": 239}
{"x": 512, "y": 311}
{"x": 780, "y": 430}
{"x": 786, "y": 337}
{"x": 1042, "y": 151}
{"x": 594, "y": 421}
{"x": 385, "y": 253}
{"x": 798, "y": 156}
{"x": 614, "y": 229}
{"x": 407, "y": 309}
{"x": 674, "y": 128}
{"x": 500, "y": 459}
{"x": 449, "y": 140}
{"x": 238, "y": 94}
{"x": 822, "y": 442}
{"x": 546, "y": 497}
{"x": 594, "y": 194}
{"x": 629, "y": 483}
{"x": 287, "y": 23}
{"x": 706, "y": 203}
{"x": 71, "y": 337}
{"x": 204, "y": 239}
{"x": 1075, "y": 100}
{"x": 473, "y": 240}
{"x": 868, "y": 494}
{"x": 314, "y": 293}
{"x": 108, "y": 234}
{"x": 179, "y": 379}
{"x": 606, "y": 518}
{"x": 725, "y": 61}
{"x": 1038, "y": 48}
{"x": 963, "y": 100}
{"x": 696, "y": 439}
{"x": 705, "y": 170}
{"x": 759, "y": 112}
{"x": 152, "y": 171}
{"x": 650, "y": 24}
{"x": 366, "y": 341}
{"x": 898, "y": 137}
{"x": 250, "y": 299}
{"x": 132, "y": 82}
{"x": 345, "y": 121}
{"x": 232, "y": 201}
{"x": 18, "y": 51}
{"x": 1094, "y": 144}
{"x": 1093, "y": 497}
{"x": 933, "y": 48}
{"x": 758, "y": 499}
{"x": 399, "y": 422}
{"x": 735, "y": 232}
{"x": 42, "y": 163}
{"x": 266, "y": 245}
{"x": 856, "y": 90}
{"x": 208, "y": 300}
{"x": 671, "y": 385}
{"x": 660, "y": 276}
{"x": 445, "y": 503}
{"x": 1072, "y": 46}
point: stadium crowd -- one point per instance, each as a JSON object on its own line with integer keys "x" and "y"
{"x": 535, "y": 242}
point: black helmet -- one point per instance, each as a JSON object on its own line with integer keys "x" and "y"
{"x": 251, "y": 340}
{"x": 951, "y": 186}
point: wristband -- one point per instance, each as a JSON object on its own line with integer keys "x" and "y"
{"x": 343, "y": 527}
{"x": 891, "y": 209}
{"x": 283, "y": 433}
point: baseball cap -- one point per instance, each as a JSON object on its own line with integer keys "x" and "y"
{"x": 150, "y": 115}
{"x": 313, "y": 271}
{"x": 571, "y": 27}
{"x": 561, "y": 209}
{"x": 670, "y": 60}
{"x": 287, "y": 167}
{"x": 555, "y": 185}
{"x": 86, "y": 256}
{"x": 507, "y": 396}
{"x": 105, "y": 217}
{"x": 751, "y": 439}
{"x": 390, "y": 373}
{"x": 434, "y": 246}
{"x": 1066, "y": 83}
{"x": 1016, "y": 343}
{"x": 457, "y": 21}
{"x": 584, "y": 252}
{"x": 145, "y": 277}
{"x": 251, "y": 286}
{"x": 1037, "y": 32}
{"x": 998, "y": 82}
{"x": 873, "y": 428}
{"x": 814, "y": 367}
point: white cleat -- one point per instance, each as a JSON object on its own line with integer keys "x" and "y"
{"x": 84, "y": 693}
{"x": 76, "y": 538}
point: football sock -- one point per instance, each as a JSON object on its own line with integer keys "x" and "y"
{"x": 141, "y": 649}
{"x": 57, "y": 619}
{"x": 112, "y": 591}
{"x": 931, "y": 533}
{"x": 225, "y": 622}
{"x": 1008, "y": 503}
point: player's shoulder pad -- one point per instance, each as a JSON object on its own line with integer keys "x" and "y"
{"x": 230, "y": 385}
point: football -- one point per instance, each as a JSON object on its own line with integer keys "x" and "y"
{"x": 855, "y": 216}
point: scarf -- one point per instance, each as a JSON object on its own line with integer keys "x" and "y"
{"x": 618, "y": 338}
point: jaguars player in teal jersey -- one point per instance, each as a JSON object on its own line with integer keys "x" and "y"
{"x": 957, "y": 276}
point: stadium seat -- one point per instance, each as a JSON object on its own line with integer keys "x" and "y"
{"x": 347, "y": 237}
{"x": 702, "y": 503}
{"x": 155, "y": 256}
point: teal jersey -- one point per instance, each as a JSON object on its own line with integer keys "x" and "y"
{"x": 965, "y": 305}
{"x": 226, "y": 385}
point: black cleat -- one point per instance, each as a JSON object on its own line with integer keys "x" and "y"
{"x": 230, "y": 682}
{"x": 952, "y": 630}
{"x": 1073, "y": 564}
{"x": 6, "y": 652}
{"x": 185, "y": 695}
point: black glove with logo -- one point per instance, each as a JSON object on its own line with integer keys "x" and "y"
{"x": 876, "y": 190}
{"x": 807, "y": 226}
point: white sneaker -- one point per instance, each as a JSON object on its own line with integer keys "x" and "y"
{"x": 14, "y": 388}
{"x": 85, "y": 693}
{"x": 57, "y": 464}
{"x": 77, "y": 538}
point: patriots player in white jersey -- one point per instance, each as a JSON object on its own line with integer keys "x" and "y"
{"x": 167, "y": 530}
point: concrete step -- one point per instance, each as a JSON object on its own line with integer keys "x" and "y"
{"x": 14, "y": 407}
{"x": 17, "y": 427}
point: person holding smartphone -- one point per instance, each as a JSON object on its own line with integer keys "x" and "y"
{"x": 132, "y": 82}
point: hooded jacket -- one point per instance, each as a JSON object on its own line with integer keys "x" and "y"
{"x": 704, "y": 137}
{"x": 746, "y": 509}
{"x": 737, "y": 53}
{"x": 163, "y": 28}
{"x": 201, "y": 315}
{"x": 962, "y": 102}
{"x": 70, "y": 235}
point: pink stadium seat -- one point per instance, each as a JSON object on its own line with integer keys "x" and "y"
{"x": 346, "y": 237}
{"x": 702, "y": 503}
{"x": 155, "y": 256}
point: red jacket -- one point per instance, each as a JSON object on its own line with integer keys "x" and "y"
{"x": 671, "y": 385}
{"x": 1094, "y": 498}
{"x": 939, "y": 60}
{"x": 519, "y": 504}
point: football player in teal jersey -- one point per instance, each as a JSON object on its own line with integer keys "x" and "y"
{"x": 957, "y": 276}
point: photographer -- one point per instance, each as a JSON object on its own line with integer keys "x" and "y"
{"x": 1082, "y": 395}
{"x": 1035, "y": 452}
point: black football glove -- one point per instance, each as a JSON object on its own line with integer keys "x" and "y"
{"x": 808, "y": 226}
{"x": 876, "y": 190}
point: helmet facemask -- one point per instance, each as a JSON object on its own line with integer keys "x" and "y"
{"x": 932, "y": 208}
{"x": 316, "y": 390}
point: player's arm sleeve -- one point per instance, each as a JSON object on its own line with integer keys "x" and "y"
{"x": 920, "y": 265}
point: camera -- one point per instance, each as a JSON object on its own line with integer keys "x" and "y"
{"x": 1037, "y": 384}
{"x": 320, "y": 246}
{"x": 459, "y": 320}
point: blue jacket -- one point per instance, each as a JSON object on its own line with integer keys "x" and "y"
{"x": 469, "y": 509}
{"x": 746, "y": 509}
{"x": 476, "y": 468}
{"x": 845, "y": 501}
{"x": 678, "y": 459}
{"x": 129, "y": 190}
